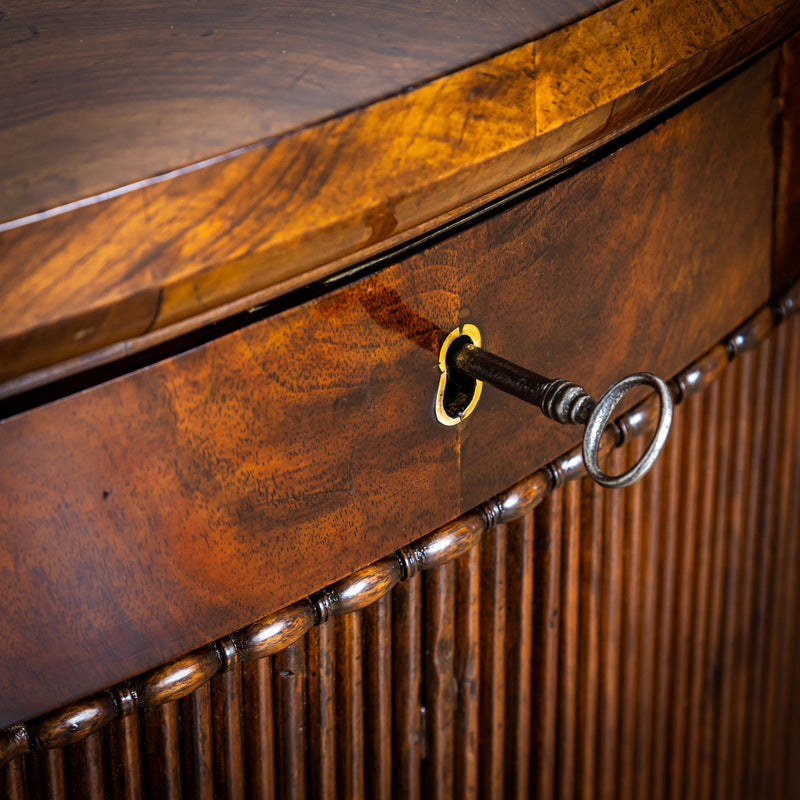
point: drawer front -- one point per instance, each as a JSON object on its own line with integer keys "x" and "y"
{"x": 155, "y": 512}
{"x": 628, "y": 644}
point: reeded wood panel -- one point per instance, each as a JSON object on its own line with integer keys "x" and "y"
{"x": 152, "y": 513}
{"x": 627, "y": 644}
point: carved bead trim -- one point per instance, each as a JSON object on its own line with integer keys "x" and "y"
{"x": 492, "y": 511}
{"x": 323, "y": 604}
{"x": 74, "y": 722}
{"x": 125, "y": 699}
{"x": 707, "y": 369}
{"x": 407, "y": 558}
{"x": 14, "y": 741}
{"x": 227, "y": 653}
{"x": 277, "y": 631}
{"x": 749, "y": 335}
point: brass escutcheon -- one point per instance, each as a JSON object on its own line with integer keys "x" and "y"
{"x": 450, "y": 412}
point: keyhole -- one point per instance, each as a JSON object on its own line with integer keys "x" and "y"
{"x": 458, "y": 393}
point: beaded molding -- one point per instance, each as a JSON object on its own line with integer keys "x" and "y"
{"x": 278, "y": 630}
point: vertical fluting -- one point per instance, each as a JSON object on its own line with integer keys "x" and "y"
{"x": 378, "y": 699}
{"x": 198, "y": 744}
{"x": 519, "y": 627}
{"x": 610, "y": 630}
{"x": 791, "y": 787}
{"x": 700, "y": 673}
{"x": 547, "y": 574}
{"x": 756, "y": 540}
{"x": 493, "y": 661}
{"x": 633, "y": 548}
{"x": 12, "y": 780}
{"x": 591, "y": 557}
{"x": 772, "y": 702}
{"x": 124, "y": 759}
{"x": 86, "y": 778}
{"x": 226, "y": 708}
{"x": 685, "y": 587}
{"x": 408, "y": 740}
{"x": 566, "y": 760}
{"x": 162, "y": 745}
{"x": 349, "y": 705}
{"x": 626, "y": 644}
{"x": 731, "y": 669}
{"x": 761, "y": 611}
{"x": 754, "y": 412}
{"x": 721, "y": 546}
{"x": 467, "y": 674}
{"x": 47, "y": 778}
{"x": 789, "y": 504}
{"x": 665, "y": 617}
{"x": 439, "y": 687}
{"x": 289, "y": 686}
{"x": 259, "y": 728}
{"x": 652, "y": 485}
{"x": 322, "y": 711}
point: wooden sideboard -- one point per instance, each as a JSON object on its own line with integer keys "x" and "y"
{"x": 239, "y": 555}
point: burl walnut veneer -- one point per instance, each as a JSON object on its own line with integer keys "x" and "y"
{"x": 239, "y": 556}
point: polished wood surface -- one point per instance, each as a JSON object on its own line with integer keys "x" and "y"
{"x": 228, "y": 235}
{"x": 786, "y": 258}
{"x": 98, "y": 95}
{"x": 576, "y": 642}
{"x": 248, "y": 562}
{"x": 152, "y": 513}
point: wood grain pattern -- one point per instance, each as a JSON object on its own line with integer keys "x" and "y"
{"x": 701, "y": 635}
{"x": 379, "y": 684}
{"x": 118, "y": 92}
{"x": 179, "y": 678}
{"x": 14, "y": 741}
{"x": 125, "y": 773}
{"x": 547, "y": 626}
{"x": 259, "y": 728}
{"x": 408, "y": 741}
{"x": 289, "y": 677}
{"x": 12, "y": 780}
{"x": 47, "y": 775}
{"x": 79, "y": 721}
{"x": 519, "y": 666}
{"x": 591, "y": 544}
{"x": 492, "y": 694}
{"x": 227, "y": 720}
{"x": 439, "y": 693}
{"x": 642, "y": 195}
{"x": 349, "y": 679}
{"x": 86, "y": 768}
{"x": 467, "y": 675}
{"x": 321, "y": 716}
{"x": 607, "y": 603}
{"x": 786, "y": 264}
{"x": 254, "y": 468}
{"x": 199, "y": 744}
{"x": 310, "y": 203}
{"x": 162, "y": 745}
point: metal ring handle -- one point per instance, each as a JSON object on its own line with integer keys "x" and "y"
{"x": 600, "y": 418}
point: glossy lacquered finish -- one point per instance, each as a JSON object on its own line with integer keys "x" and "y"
{"x": 786, "y": 263}
{"x": 560, "y": 641}
{"x": 145, "y": 89}
{"x": 148, "y": 515}
{"x": 179, "y": 248}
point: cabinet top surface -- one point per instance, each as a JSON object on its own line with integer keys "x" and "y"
{"x": 97, "y": 95}
{"x": 168, "y": 164}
